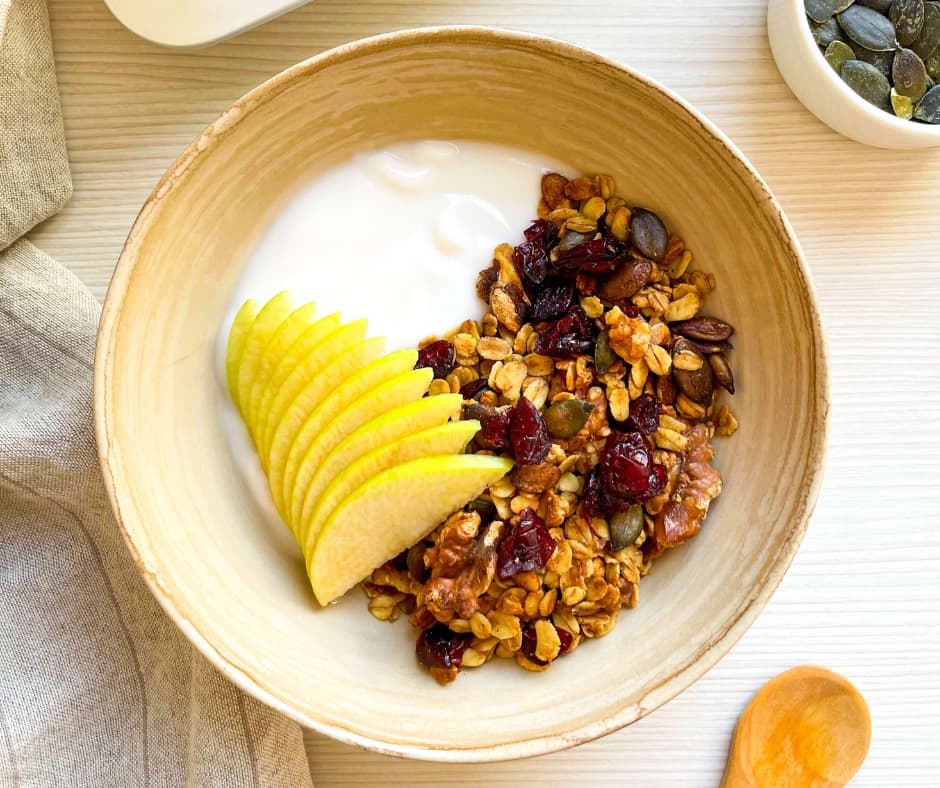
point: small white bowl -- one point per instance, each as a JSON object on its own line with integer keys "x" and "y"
{"x": 823, "y": 92}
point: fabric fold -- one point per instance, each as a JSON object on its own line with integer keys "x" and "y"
{"x": 98, "y": 687}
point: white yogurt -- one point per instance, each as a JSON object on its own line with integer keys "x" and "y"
{"x": 396, "y": 236}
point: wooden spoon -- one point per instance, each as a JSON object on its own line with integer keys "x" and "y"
{"x": 806, "y": 728}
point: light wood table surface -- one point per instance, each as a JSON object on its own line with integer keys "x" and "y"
{"x": 863, "y": 596}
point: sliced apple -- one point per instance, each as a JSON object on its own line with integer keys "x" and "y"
{"x": 295, "y": 441}
{"x": 287, "y": 389}
{"x": 449, "y": 438}
{"x": 320, "y": 386}
{"x": 266, "y": 323}
{"x": 381, "y": 431}
{"x": 238, "y": 336}
{"x": 407, "y": 387}
{"x": 287, "y": 333}
{"x": 301, "y": 347}
{"x": 392, "y": 511}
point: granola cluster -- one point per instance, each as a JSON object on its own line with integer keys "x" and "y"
{"x": 594, "y": 369}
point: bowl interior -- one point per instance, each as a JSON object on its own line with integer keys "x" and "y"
{"x": 239, "y": 591}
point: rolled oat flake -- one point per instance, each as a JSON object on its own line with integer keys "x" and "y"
{"x": 867, "y": 27}
{"x": 868, "y": 82}
{"x": 928, "y": 109}
{"x": 909, "y": 74}
{"x": 821, "y": 10}
{"x": 907, "y": 16}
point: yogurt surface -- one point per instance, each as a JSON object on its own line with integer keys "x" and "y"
{"x": 396, "y": 236}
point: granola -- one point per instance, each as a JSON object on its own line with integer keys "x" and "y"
{"x": 594, "y": 369}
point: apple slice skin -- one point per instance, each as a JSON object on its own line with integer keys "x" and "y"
{"x": 266, "y": 323}
{"x": 322, "y": 384}
{"x": 450, "y": 438}
{"x": 319, "y": 358}
{"x": 297, "y": 352}
{"x": 238, "y": 336}
{"x": 407, "y": 387}
{"x": 293, "y": 326}
{"x": 383, "y": 430}
{"x": 392, "y": 511}
{"x": 373, "y": 374}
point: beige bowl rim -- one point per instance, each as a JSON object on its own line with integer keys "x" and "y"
{"x": 110, "y": 318}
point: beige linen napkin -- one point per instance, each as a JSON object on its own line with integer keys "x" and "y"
{"x": 97, "y": 686}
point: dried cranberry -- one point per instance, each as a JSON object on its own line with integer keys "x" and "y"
{"x": 526, "y": 547}
{"x": 530, "y": 641}
{"x": 531, "y": 261}
{"x": 473, "y": 389}
{"x": 439, "y": 356}
{"x": 551, "y": 300}
{"x": 631, "y": 310}
{"x": 644, "y": 415}
{"x": 573, "y": 335}
{"x": 626, "y": 464}
{"x": 625, "y": 476}
{"x": 542, "y": 230}
{"x": 528, "y": 434}
{"x": 439, "y": 647}
{"x": 657, "y": 481}
{"x": 600, "y": 256}
{"x": 494, "y": 428}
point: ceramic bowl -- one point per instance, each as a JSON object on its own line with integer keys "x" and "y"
{"x": 822, "y": 91}
{"x": 239, "y": 591}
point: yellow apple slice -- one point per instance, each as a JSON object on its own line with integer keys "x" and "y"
{"x": 392, "y": 511}
{"x": 287, "y": 333}
{"x": 389, "y": 427}
{"x": 292, "y": 384}
{"x": 271, "y": 316}
{"x": 451, "y": 438}
{"x": 407, "y": 387}
{"x": 237, "y": 337}
{"x": 296, "y": 440}
{"x": 297, "y": 352}
{"x": 320, "y": 387}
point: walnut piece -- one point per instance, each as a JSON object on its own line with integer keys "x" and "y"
{"x": 698, "y": 483}
{"x": 629, "y": 336}
{"x": 462, "y": 566}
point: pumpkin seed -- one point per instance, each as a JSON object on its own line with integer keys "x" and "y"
{"x": 932, "y": 64}
{"x": 625, "y": 527}
{"x": 837, "y": 53}
{"x": 824, "y": 33}
{"x": 868, "y": 82}
{"x": 723, "y": 374}
{"x": 821, "y": 10}
{"x": 603, "y": 355}
{"x": 881, "y": 6}
{"x": 880, "y": 60}
{"x": 704, "y": 328}
{"x": 902, "y": 105}
{"x": 648, "y": 234}
{"x": 928, "y": 109}
{"x": 627, "y": 281}
{"x": 566, "y": 417}
{"x": 907, "y": 16}
{"x": 929, "y": 39}
{"x": 697, "y": 384}
{"x": 909, "y": 74}
{"x": 867, "y": 27}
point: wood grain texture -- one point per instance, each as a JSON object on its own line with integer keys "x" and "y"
{"x": 863, "y": 596}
